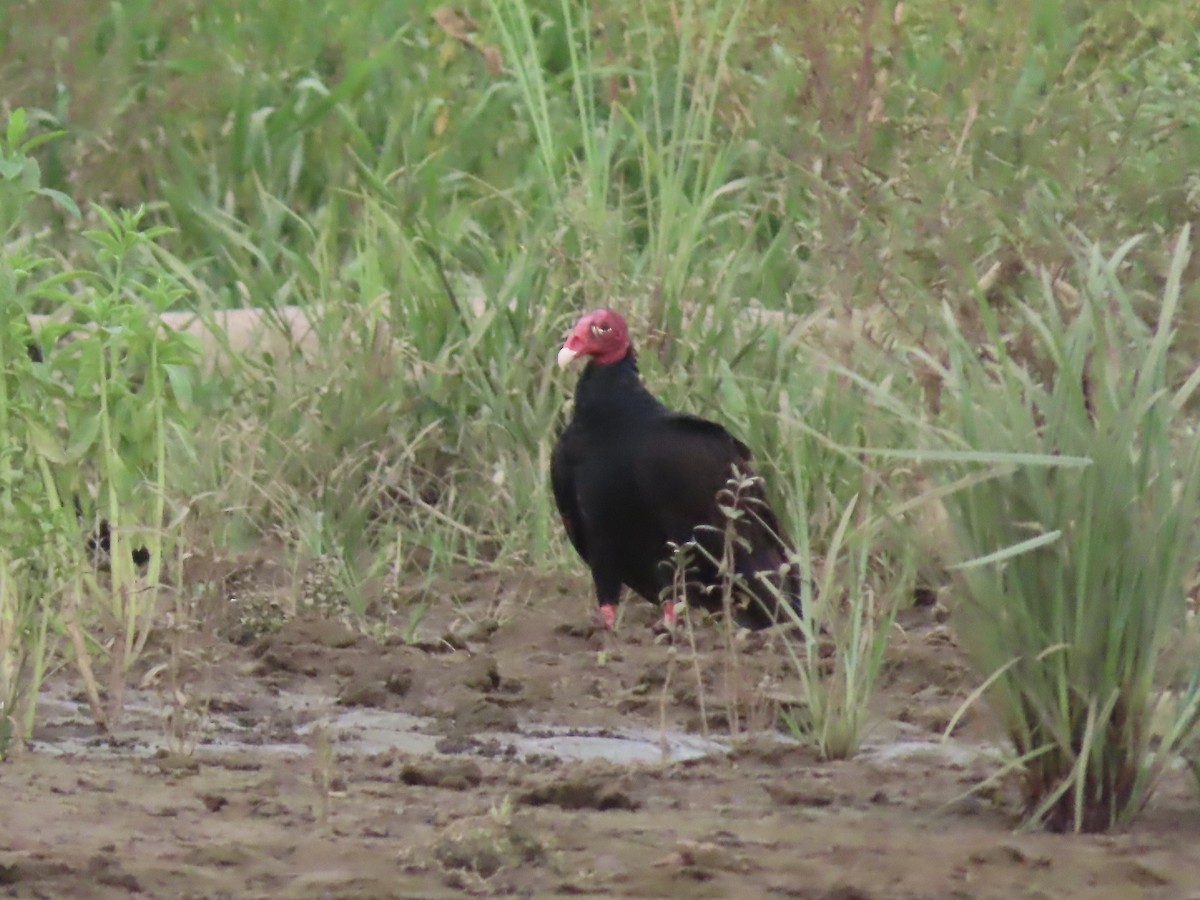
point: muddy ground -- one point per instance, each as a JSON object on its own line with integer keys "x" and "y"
{"x": 493, "y": 754}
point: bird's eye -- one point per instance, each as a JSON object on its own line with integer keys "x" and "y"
{"x": 600, "y": 329}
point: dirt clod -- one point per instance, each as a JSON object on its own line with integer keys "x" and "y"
{"x": 214, "y": 802}
{"x": 580, "y": 629}
{"x": 108, "y": 872}
{"x": 847, "y": 892}
{"x": 273, "y": 660}
{"x": 227, "y": 854}
{"x": 363, "y": 690}
{"x": 399, "y": 682}
{"x": 177, "y": 764}
{"x": 804, "y": 795}
{"x": 454, "y": 775}
{"x": 478, "y": 714}
{"x": 703, "y": 855}
{"x": 478, "y": 632}
{"x": 328, "y": 633}
{"x": 481, "y": 674}
{"x": 599, "y": 792}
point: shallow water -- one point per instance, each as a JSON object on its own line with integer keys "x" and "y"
{"x": 67, "y": 729}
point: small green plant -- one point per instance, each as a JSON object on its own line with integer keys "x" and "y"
{"x": 133, "y": 380}
{"x": 117, "y": 394}
{"x": 1076, "y": 571}
{"x": 34, "y": 527}
{"x": 834, "y": 641}
{"x": 25, "y": 631}
{"x": 86, "y": 411}
{"x": 843, "y": 631}
{"x": 324, "y": 771}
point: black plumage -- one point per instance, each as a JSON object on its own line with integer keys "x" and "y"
{"x": 631, "y": 478}
{"x": 99, "y": 544}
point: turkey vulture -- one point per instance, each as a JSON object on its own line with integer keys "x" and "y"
{"x": 633, "y": 480}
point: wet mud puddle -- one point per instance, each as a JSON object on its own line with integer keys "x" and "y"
{"x": 68, "y": 730}
{"x": 290, "y": 727}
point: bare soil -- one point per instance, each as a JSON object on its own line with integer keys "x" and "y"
{"x": 253, "y": 770}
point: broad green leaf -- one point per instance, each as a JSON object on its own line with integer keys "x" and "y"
{"x": 45, "y": 444}
{"x": 83, "y": 437}
{"x": 180, "y": 378}
{"x": 62, "y": 200}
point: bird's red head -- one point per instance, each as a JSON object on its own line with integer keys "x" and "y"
{"x": 600, "y": 334}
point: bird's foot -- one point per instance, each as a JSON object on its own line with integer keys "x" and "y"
{"x": 607, "y": 613}
{"x": 666, "y": 629}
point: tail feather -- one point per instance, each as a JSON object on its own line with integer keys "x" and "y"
{"x": 769, "y": 570}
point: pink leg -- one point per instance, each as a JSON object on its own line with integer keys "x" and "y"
{"x": 668, "y": 614}
{"x": 608, "y": 615}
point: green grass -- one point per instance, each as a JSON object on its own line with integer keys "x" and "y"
{"x": 1078, "y": 583}
{"x": 84, "y": 427}
{"x": 786, "y": 203}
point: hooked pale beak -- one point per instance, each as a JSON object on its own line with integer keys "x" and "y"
{"x": 565, "y": 356}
